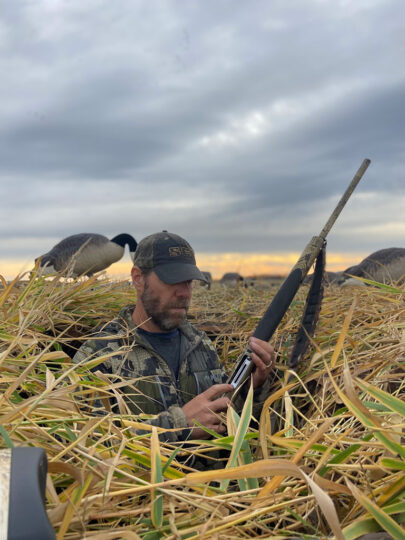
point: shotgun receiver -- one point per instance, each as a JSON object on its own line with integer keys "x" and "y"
{"x": 284, "y": 296}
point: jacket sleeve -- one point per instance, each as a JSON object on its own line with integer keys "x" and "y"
{"x": 174, "y": 418}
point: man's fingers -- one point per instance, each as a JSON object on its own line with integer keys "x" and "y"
{"x": 263, "y": 351}
{"x": 260, "y": 363}
{"x": 220, "y": 404}
{"x": 217, "y": 389}
{"x": 219, "y": 427}
{"x": 256, "y": 343}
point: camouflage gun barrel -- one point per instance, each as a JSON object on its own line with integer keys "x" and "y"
{"x": 284, "y": 296}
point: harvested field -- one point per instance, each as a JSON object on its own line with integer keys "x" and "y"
{"x": 325, "y": 459}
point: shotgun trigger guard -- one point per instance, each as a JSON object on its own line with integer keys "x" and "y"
{"x": 242, "y": 370}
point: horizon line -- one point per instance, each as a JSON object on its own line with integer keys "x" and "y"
{"x": 246, "y": 264}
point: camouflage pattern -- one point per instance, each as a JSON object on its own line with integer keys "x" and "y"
{"x": 150, "y": 386}
{"x": 162, "y": 248}
{"x": 170, "y": 256}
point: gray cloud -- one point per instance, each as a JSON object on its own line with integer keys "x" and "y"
{"x": 238, "y": 126}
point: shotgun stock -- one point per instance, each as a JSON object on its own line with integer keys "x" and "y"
{"x": 22, "y": 495}
{"x": 284, "y": 296}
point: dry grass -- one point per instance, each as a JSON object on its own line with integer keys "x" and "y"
{"x": 332, "y": 465}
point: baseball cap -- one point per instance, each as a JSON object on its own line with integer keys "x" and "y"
{"x": 169, "y": 256}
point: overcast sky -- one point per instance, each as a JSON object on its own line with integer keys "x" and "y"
{"x": 237, "y": 124}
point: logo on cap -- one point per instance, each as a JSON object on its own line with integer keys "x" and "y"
{"x": 178, "y": 251}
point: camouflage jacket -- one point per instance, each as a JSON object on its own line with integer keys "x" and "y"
{"x": 150, "y": 386}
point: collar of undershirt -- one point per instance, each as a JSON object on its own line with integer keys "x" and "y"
{"x": 162, "y": 335}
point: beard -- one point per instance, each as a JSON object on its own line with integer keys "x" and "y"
{"x": 164, "y": 319}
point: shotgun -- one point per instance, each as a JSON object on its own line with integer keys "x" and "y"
{"x": 284, "y": 296}
{"x": 22, "y": 495}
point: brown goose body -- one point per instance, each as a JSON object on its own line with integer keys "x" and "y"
{"x": 385, "y": 266}
{"x": 86, "y": 253}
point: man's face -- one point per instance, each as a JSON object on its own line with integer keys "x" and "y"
{"x": 166, "y": 305}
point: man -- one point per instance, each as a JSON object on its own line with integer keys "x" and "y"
{"x": 169, "y": 368}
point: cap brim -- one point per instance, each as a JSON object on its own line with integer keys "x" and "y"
{"x": 178, "y": 272}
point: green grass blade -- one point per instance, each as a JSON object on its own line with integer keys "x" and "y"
{"x": 241, "y": 430}
{"x": 6, "y": 437}
{"x": 246, "y": 457}
{"x": 390, "y": 401}
{"x": 360, "y": 527}
{"x": 383, "y": 286}
{"x": 368, "y": 421}
{"x": 342, "y": 456}
{"x": 395, "y": 464}
{"x": 385, "y": 521}
{"x": 368, "y": 525}
{"x": 156, "y": 478}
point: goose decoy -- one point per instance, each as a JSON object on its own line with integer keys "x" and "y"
{"x": 384, "y": 266}
{"x": 86, "y": 253}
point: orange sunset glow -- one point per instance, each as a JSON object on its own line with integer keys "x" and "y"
{"x": 247, "y": 264}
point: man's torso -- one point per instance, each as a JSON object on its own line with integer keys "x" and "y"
{"x": 150, "y": 384}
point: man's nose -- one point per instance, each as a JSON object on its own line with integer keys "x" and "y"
{"x": 184, "y": 289}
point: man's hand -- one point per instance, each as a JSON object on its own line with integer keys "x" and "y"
{"x": 263, "y": 359}
{"x": 204, "y": 408}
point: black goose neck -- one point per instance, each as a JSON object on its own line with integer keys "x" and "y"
{"x": 123, "y": 239}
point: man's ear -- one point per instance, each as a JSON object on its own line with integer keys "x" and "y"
{"x": 137, "y": 278}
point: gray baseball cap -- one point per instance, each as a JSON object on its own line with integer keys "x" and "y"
{"x": 169, "y": 256}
